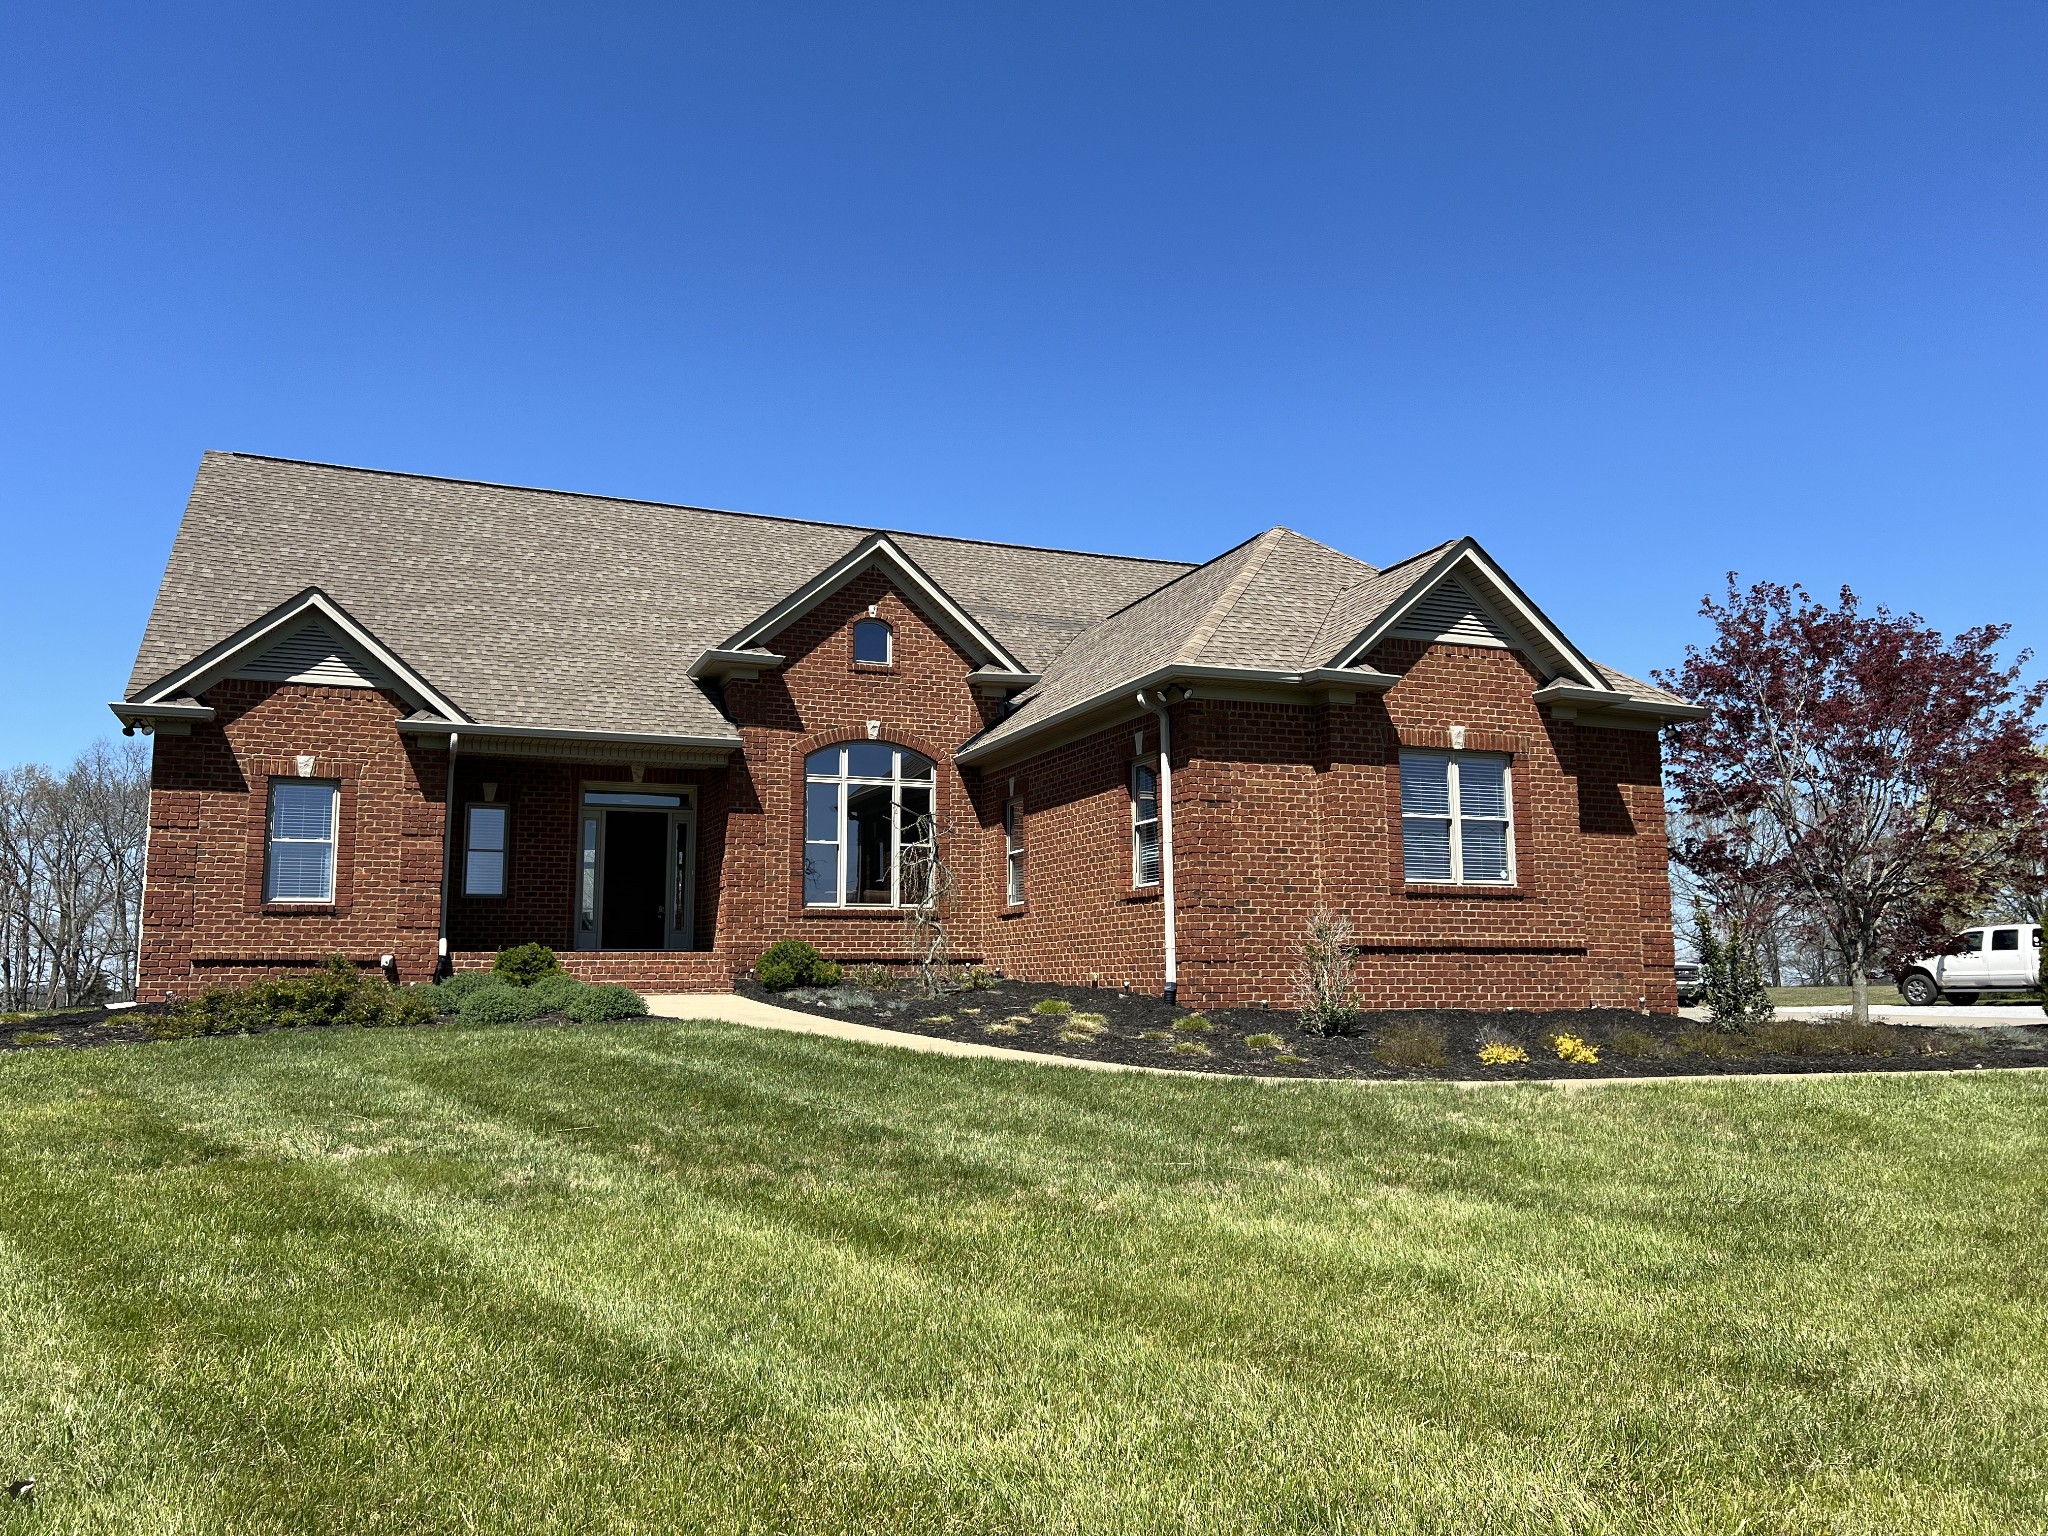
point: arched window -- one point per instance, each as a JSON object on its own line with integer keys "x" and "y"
{"x": 872, "y": 641}
{"x": 867, "y": 825}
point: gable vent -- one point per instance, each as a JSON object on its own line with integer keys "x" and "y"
{"x": 1449, "y": 614}
{"x": 308, "y": 655}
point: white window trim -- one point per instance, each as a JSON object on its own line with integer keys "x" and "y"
{"x": 332, "y": 842}
{"x": 1457, "y": 818}
{"x": 469, "y": 847}
{"x": 846, "y": 780}
{"x": 1013, "y": 854}
{"x": 1138, "y": 882}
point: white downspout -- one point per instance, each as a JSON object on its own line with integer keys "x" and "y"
{"x": 1166, "y": 842}
{"x": 447, "y": 853}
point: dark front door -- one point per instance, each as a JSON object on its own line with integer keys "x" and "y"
{"x": 635, "y": 860}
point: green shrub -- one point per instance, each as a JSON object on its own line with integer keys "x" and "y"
{"x": 413, "y": 1005}
{"x": 869, "y": 978}
{"x": 1263, "y": 1042}
{"x": 1157, "y": 1034}
{"x": 1715, "y": 1045}
{"x": 1828, "y": 1037}
{"x": 501, "y": 1005}
{"x": 1412, "y": 1046}
{"x": 1189, "y": 1048}
{"x": 977, "y": 979}
{"x": 453, "y": 992}
{"x": 1636, "y": 1045}
{"x": 336, "y": 994}
{"x": 557, "y": 992}
{"x": 1193, "y": 1024}
{"x": 1052, "y": 1007}
{"x": 35, "y": 1037}
{"x": 793, "y": 963}
{"x": 524, "y": 964}
{"x": 598, "y": 1005}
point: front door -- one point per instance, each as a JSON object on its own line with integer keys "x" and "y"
{"x": 635, "y": 879}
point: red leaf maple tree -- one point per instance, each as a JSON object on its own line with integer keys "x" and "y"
{"x": 1893, "y": 773}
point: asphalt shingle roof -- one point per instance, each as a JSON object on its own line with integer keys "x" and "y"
{"x": 546, "y": 608}
{"x": 541, "y": 608}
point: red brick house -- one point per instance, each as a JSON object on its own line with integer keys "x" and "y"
{"x": 403, "y": 718}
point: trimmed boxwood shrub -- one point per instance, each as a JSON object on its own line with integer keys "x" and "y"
{"x": 596, "y": 1005}
{"x": 456, "y": 990}
{"x": 793, "y": 963}
{"x": 556, "y": 992}
{"x": 524, "y": 964}
{"x": 502, "y": 1005}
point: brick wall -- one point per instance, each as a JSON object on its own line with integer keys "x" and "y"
{"x": 204, "y": 920}
{"x": 1282, "y": 809}
{"x": 819, "y": 698}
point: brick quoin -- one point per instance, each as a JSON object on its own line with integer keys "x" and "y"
{"x": 1283, "y": 807}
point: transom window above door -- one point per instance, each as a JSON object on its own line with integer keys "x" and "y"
{"x": 867, "y": 825}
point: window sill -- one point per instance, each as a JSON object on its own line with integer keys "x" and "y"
{"x": 870, "y": 914}
{"x": 876, "y": 669}
{"x": 1142, "y": 893}
{"x": 1465, "y": 892}
{"x": 1019, "y": 910}
{"x": 300, "y": 909}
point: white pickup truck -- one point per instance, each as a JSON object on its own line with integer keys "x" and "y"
{"x": 2003, "y": 957}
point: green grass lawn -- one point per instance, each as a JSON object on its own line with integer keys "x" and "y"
{"x": 1832, "y": 997}
{"x": 674, "y": 1277}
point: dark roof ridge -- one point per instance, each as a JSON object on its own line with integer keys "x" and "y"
{"x": 686, "y": 506}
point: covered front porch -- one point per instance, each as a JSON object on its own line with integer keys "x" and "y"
{"x": 608, "y": 853}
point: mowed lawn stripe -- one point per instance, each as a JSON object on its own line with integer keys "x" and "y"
{"x": 668, "y": 1274}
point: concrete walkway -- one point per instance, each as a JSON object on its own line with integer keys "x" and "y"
{"x": 730, "y": 1008}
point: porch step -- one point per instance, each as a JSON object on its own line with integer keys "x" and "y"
{"x": 644, "y": 970}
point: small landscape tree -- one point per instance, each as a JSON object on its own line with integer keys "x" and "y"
{"x": 1883, "y": 776}
{"x": 1729, "y": 973}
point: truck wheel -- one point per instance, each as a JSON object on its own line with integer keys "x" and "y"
{"x": 1919, "y": 989}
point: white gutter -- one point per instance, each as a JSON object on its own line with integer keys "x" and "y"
{"x": 1166, "y": 841}
{"x": 447, "y": 852}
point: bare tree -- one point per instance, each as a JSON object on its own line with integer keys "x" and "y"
{"x": 931, "y": 897}
{"x": 71, "y": 857}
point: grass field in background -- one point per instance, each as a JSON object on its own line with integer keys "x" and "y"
{"x": 1830, "y": 997}
{"x": 681, "y": 1277}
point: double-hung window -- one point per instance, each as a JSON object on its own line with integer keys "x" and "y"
{"x": 1144, "y": 824}
{"x": 299, "y": 860}
{"x": 1013, "y": 853}
{"x": 483, "y": 863}
{"x": 1456, "y": 824}
{"x": 867, "y": 826}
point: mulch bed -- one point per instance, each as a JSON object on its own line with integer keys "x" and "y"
{"x": 1649, "y": 1045}
{"x": 77, "y": 1027}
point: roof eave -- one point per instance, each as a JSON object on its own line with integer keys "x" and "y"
{"x": 1332, "y": 680}
{"x": 1572, "y": 698}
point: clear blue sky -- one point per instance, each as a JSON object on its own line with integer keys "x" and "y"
{"x": 1634, "y": 293}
